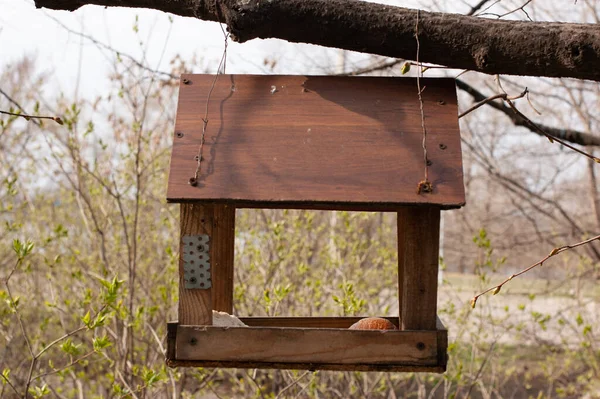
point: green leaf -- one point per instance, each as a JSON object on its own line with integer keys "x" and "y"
{"x": 69, "y": 348}
{"x": 22, "y": 249}
{"x": 5, "y": 374}
{"x": 405, "y": 68}
{"x": 87, "y": 320}
{"x": 101, "y": 343}
{"x": 587, "y": 329}
{"x": 38, "y": 392}
{"x": 100, "y": 320}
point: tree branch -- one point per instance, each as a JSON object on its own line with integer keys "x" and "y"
{"x": 572, "y": 136}
{"x": 490, "y": 46}
{"x": 29, "y": 117}
{"x": 496, "y": 289}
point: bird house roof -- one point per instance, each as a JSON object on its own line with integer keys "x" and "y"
{"x": 322, "y": 142}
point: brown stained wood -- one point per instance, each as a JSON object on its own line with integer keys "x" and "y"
{"x": 373, "y": 365}
{"x": 306, "y": 345}
{"x": 316, "y": 142}
{"x": 418, "y": 259}
{"x": 171, "y": 338}
{"x": 222, "y": 255}
{"x": 442, "y": 343}
{"x": 195, "y": 305}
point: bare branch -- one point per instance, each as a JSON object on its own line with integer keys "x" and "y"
{"x": 502, "y": 96}
{"x": 496, "y": 289}
{"x": 29, "y": 117}
{"x": 10, "y": 384}
{"x": 477, "y": 7}
{"x": 570, "y": 135}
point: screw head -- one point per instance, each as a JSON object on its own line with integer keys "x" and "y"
{"x": 443, "y": 146}
{"x": 187, "y": 82}
{"x": 179, "y": 134}
{"x": 420, "y": 346}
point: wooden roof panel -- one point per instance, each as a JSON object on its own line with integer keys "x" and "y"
{"x": 316, "y": 141}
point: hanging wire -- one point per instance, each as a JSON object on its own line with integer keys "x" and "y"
{"x": 424, "y": 185}
{"x": 220, "y": 71}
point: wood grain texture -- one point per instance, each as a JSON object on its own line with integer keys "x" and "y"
{"x": 418, "y": 260}
{"x": 316, "y": 142}
{"x": 306, "y": 345}
{"x": 222, "y": 254}
{"x": 195, "y": 305}
{"x": 304, "y": 348}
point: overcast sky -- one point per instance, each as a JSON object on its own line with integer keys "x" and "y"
{"x": 44, "y": 34}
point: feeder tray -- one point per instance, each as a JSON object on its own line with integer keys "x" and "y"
{"x": 311, "y": 142}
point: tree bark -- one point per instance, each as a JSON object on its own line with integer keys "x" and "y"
{"x": 456, "y": 41}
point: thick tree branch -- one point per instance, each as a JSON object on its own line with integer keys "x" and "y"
{"x": 456, "y": 41}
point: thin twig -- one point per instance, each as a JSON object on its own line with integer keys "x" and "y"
{"x": 10, "y": 384}
{"x": 29, "y": 117}
{"x": 373, "y": 68}
{"x": 548, "y": 135}
{"x": 16, "y": 104}
{"x": 503, "y": 96}
{"x": 109, "y": 48}
{"x": 425, "y": 67}
{"x": 70, "y": 364}
{"x": 22, "y": 327}
{"x": 476, "y": 7}
{"x": 56, "y": 341}
{"x": 253, "y": 379}
{"x": 296, "y": 381}
{"x": 552, "y": 253}
{"x": 522, "y": 8}
{"x": 16, "y": 310}
{"x": 481, "y": 367}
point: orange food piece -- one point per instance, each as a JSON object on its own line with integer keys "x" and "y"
{"x": 373, "y": 323}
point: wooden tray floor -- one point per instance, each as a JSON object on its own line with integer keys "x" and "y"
{"x": 307, "y": 343}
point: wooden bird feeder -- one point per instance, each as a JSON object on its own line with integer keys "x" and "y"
{"x": 304, "y": 142}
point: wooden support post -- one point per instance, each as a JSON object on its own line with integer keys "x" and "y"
{"x": 195, "y": 305}
{"x": 418, "y": 259}
{"x": 218, "y": 221}
{"x": 222, "y": 253}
